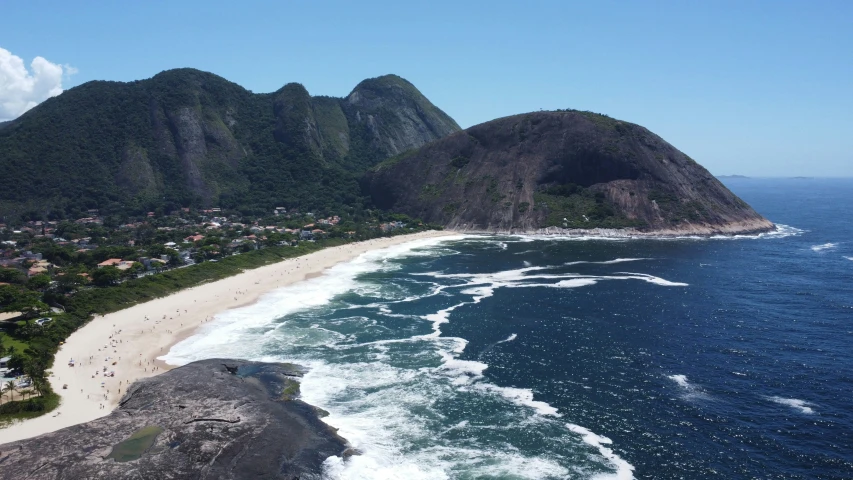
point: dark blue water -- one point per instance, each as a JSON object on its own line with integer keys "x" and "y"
{"x": 520, "y": 357}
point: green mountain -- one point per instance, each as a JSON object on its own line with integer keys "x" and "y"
{"x": 190, "y": 138}
{"x": 548, "y": 171}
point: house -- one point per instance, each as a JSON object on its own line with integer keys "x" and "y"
{"x": 33, "y": 271}
{"x": 124, "y": 264}
{"x": 4, "y": 362}
{"x": 194, "y": 238}
{"x": 32, "y": 256}
{"x": 112, "y": 262}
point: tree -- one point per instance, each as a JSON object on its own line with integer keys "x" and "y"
{"x": 106, "y": 276}
{"x": 10, "y": 388}
{"x": 40, "y": 385}
{"x": 38, "y": 282}
{"x": 135, "y": 269}
{"x": 15, "y": 299}
{"x": 11, "y": 275}
{"x": 35, "y": 364}
{"x": 69, "y": 282}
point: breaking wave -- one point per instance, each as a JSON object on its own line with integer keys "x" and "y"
{"x": 801, "y": 405}
{"x": 781, "y": 231}
{"x": 387, "y": 375}
{"x": 689, "y": 391}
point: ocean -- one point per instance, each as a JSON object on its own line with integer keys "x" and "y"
{"x": 524, "y": 357}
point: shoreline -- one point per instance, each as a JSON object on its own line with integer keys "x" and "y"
{"x": 729, "y": 229}
{"x": 128, "y": 342}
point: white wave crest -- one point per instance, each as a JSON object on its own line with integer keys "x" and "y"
{"x": 624, "y": 470}
{"x": 219, "y": 338}
{"x": 521, "y": 396}
{"x": 825, "y": 246}
{"x": 521, "y": 277}
{"x": 781, "y": 231}
{"x": 681, "y": 380}
{"x": 608, "y": 262}
{"x": 371, "y": 400}
{"x": 509, "y": 338}
{"x": 801, "y": 405}
{"x": 849, "y": 258}
{"x": 691, "y": 392}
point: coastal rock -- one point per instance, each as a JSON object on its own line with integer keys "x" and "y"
{"x": 209, "y": 419}
{"x": 559, "y": 172}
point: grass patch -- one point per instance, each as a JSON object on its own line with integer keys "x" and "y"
{"x": 29, "y": 408}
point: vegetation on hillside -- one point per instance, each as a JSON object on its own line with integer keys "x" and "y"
{"x": 573, "y": 206}
{"x": 187, "y": 138}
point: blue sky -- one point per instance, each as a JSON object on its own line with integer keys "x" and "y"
{"x": 760, "y": 88}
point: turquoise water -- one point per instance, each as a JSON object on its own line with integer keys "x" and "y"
{"x": 526, "y": 357}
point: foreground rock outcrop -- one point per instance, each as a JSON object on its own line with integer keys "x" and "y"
{"x": 210, "y": 419}
{"x": 559, "y": 172}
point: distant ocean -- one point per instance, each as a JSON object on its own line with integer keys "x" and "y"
{"x": 546, "y": 358}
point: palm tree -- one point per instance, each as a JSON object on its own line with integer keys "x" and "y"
{"x": 10, "y": 387}
{"x": 39, "y": 385}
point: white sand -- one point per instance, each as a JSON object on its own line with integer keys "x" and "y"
{"x": 128, "y": 342}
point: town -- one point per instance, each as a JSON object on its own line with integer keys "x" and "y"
{"x": 55, "y": 274}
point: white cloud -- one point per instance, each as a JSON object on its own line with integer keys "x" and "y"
{"x": 22, "y": 89}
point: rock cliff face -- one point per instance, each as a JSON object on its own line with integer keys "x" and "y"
{"x": 186, "y": 137}
{"x": 398, "y": 117}
{"x": 558, "y": 171}
{"x": 209, "y": 419}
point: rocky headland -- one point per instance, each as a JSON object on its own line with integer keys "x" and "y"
{"x": 209, "y": 419}
{"x": 560, "y": 172}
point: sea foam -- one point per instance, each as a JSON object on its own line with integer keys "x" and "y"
{"x": 690, "y": 391}
{"x": 801, "y": 405}
{"x": 624, "y": 470}
{"x": 383, "y": 407}
{"x": 607, "y": 262}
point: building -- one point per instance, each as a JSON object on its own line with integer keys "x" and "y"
{"x": 112, "y": 262}
{"x": 124, "y": 264}
{"x": 38, "y": 270}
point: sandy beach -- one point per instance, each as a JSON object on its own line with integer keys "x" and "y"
{"x": 112, "y": 351}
